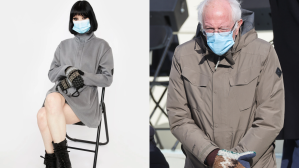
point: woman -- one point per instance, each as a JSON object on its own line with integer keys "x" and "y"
{"x": 80, "y": 65}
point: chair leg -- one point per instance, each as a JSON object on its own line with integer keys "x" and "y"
{"x": 106, "y": 129}
{"x": 157, "y": 138}
{"x": 98, "y": 139}
{"x": 97, "y": 142}
{"x": 79, "y": 140}
{"x": 158, "y": 103}
{"x": 154, "y": 110}
{"x": 92, "y": 142}
{"x": 175, "y": 145}
{"x": 97, "y": 146}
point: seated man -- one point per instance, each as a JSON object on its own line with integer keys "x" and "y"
{"x": 226, "y": 94}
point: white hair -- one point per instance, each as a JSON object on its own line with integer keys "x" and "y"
{"x": 234, "y": 4}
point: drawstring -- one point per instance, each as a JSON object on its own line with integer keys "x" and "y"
{"x": 217, "y": 63}
{"x": 65, "y": 91}
{"x": 78, "y": 93}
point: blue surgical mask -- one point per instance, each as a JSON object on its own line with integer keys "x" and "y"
{"x": 220, "y": 43}
{"x": 82, "y": 26}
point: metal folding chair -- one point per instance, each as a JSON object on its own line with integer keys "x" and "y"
{"x": 160, "y": 37}
{"x": 97, "y": 142}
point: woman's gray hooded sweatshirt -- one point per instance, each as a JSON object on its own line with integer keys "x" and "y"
{"x": 93, "y": 56}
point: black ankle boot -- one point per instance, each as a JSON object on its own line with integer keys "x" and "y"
{"x": 49, "y": 160}
{"x": 62, "y": 156}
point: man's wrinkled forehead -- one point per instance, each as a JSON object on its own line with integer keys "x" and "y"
{"x": 217, "y": 13}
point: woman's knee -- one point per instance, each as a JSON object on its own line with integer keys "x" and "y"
{"x": 42, "y": 118}
{"x": 54, "y": 101}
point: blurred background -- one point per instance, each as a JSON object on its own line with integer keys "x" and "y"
{"x": 181, "y": 17}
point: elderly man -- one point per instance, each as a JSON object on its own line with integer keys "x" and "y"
{"x": 226, "y": 94}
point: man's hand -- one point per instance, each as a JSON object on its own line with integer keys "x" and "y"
{"x": 229, "y": 159}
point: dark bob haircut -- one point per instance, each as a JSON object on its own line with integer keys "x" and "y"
{"x": 83, "y": 8}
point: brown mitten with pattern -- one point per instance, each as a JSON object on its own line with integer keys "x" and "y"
{"x": 225, "y": 162}
{"x": 229, "y": 159}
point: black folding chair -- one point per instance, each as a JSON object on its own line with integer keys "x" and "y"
{"x": 96, "y": 143}
{"x": 160, "y": 38}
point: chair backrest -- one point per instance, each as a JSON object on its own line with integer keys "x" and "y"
{"x": 102, "y": 96}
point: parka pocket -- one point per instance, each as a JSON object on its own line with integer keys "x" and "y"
{"x": 195, "y": 86}
{"x": 195, "y": 78}
{"x": 243, "y": 86}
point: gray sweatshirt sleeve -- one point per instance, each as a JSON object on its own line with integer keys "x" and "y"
{"x": 56, "y": 70}
{"x": 104, "y": 74}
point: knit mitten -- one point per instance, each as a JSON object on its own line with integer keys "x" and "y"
{"x": 229, "y": 159}
{"x": 63, "y": 84}
{"x": 74, "y": 79}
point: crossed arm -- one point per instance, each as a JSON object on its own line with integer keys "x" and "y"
{"x": 267, "y": 123}
{"x": 102, "y": 78}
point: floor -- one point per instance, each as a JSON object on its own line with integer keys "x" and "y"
{"x": 25, "y": 150}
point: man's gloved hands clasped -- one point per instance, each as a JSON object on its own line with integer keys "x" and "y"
{"x": 73, "y": 79}
{"x": 229, "y": 159}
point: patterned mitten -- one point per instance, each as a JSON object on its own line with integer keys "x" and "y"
{"x": 63, "y": 84}
{"x": 229, "y": 159}
{"x": 74, "y": 79}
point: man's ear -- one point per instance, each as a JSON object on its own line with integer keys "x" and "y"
{"x": 240, "y": 22}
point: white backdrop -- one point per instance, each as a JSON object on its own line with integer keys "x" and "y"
{"x": 30, "y": 32}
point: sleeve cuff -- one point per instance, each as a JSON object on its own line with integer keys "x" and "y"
{"x": 205, "y": 151}
{"x": 62, "y": 72}
{"x": 211, "y": 157}
{"x": 69, "y": 69}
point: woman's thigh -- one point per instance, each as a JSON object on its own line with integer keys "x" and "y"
{"x": 70, "y": 116}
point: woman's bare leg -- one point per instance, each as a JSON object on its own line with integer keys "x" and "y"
{"x": 70, "y": 118}
{"x": 44, "y": 130}
{"x": 56, "y": 120}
